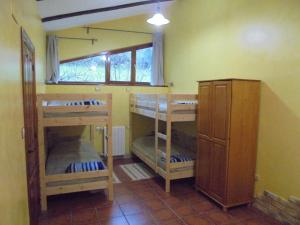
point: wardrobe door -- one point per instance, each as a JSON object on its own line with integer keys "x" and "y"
{"x": 203, "y": 164}
{"x": 218, "y": 171}
{"x": 204, "y": 110}
{"x": 221, "y": 104}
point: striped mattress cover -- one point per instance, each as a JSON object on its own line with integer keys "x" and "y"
{"x": 75, "y": 103}
{"x": 163, "y": 106}
{"x": 92, "y": 102}
{"x": 145, "y": 145}
{"x": 70, "y": 151}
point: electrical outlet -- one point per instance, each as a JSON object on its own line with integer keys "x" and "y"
{"x": 98, "y": 88}
{"x": 170, "y": 84}
{"x": 257, "y": 177}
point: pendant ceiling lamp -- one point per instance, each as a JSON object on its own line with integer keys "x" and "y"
{"x": 158, "y": 18}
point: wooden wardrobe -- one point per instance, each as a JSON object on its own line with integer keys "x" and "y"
{"x": 228, "y": 112}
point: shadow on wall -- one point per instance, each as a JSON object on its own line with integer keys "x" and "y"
{"x": 278, "y": 156}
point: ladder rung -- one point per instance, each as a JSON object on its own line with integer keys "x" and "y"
{"x": 162, "y": 136}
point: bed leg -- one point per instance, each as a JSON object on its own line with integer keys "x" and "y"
{"x": 167, "y": 185}
{"x": 110, "y": 191}
{"x": 110, "y": 194}
{"x": 43, "y": 202}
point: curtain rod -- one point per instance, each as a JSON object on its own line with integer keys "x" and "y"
{"x": 93, "y": 40}
{"x": 115, "y": 30}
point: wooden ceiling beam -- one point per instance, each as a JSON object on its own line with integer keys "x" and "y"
{"x": 99, "y": 10}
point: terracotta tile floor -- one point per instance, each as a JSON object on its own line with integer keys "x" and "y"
{"x": 146, "y": 203}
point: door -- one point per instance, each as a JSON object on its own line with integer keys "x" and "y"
{"x": 203, "y": 164}
{"x": 221, "y": 105}
{"x": 204, "y": 110}
{"x": 30, "y": 126}
{"x": 218, "y": 171}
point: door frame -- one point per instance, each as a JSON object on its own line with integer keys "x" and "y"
{"x": 26, "y": 41}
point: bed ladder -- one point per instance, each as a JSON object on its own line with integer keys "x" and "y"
{"x": 167, "y": 138}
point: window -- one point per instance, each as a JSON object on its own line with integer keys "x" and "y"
{"x": 143, "y": 64}
{"x": 127, "y": 66}
{"x": 91, "y": 69}
{"x": 120, "y": 67}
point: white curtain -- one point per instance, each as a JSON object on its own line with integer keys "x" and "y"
{"x": 157, "y": 76}
{"x": 52, "y": 66}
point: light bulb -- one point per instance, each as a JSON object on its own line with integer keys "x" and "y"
{"x": 158, "y": 20}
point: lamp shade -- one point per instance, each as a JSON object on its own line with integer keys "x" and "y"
{"x": 158, "y": 20}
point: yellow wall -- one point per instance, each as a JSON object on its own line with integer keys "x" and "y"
{"x": 107, "y": 40}
{"x": 246, "y": 39}
{"x": 13, "y": 189}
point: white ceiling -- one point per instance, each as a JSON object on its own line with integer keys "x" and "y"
{"x": 48, "y": 8}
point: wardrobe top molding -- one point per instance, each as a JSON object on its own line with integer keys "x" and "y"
{"x": 228, "y": 79}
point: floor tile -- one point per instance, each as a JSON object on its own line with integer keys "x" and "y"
{"x": 220, "y": 218}
{"x": 126, "y": 198}
{"x": 173, "y": 201}
{"x": 196, "y": 220}
{"x": 132, "y": 208}
{"x": 147, "y": 195}
{"x": 243, "y": 213}
{"x": 154, "y": 204}
{"x": 184, "y": 210}
{"x": 140, "y": 219}
{"x": 171, "y": 222}
{"x": 163, "y": 215}
{"x": 114, "y": 221}
{"x": 109, "y": 212}
{"x": 84, "y": 216}
{"x": 62, "y": 219}
{"x": 202, "y": 207}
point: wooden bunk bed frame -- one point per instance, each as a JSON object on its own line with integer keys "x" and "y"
{"x": 101, "y": 116}
{"x": 150, "y": 107}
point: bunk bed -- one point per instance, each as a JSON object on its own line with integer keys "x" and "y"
{"x": 170, "y": 159}
{"x": 73, "y": 165}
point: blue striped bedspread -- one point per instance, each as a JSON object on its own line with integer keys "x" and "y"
{"x": 178, "y": 158}
{"x": 85, "y": 166}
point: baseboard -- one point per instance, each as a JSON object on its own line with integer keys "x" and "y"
{"x": 286, "y": 211}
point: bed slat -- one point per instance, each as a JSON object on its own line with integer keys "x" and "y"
{"x": 63, "y": 189}
{"x": 73, "y": 121}
{"x": 74, "y": 176}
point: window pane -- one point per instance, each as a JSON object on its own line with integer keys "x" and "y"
{"x": 84, "y": 70}
{"x": 143, "y": 65}
{"x": 120, "y": 67}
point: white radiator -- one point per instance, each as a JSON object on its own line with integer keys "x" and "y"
{"x": 118, "y": 140}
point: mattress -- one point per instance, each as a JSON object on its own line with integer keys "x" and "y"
{"x": 163, "y": 106}
{"x": 66, "y": 152}
{"x": 75, "y": 103}
{"x": 145, "y": 145}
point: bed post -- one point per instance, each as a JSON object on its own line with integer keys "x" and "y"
{"x": 168, "y": 147}
{"x": 41, "y": 140}
{"x": 109, "y": 148}
{"x": 131, "y": 108}
{"x": 156, "y": 131}
{"x": 92, "y": 134}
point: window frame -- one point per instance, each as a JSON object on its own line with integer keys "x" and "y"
{"x": 132, "y": 81}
